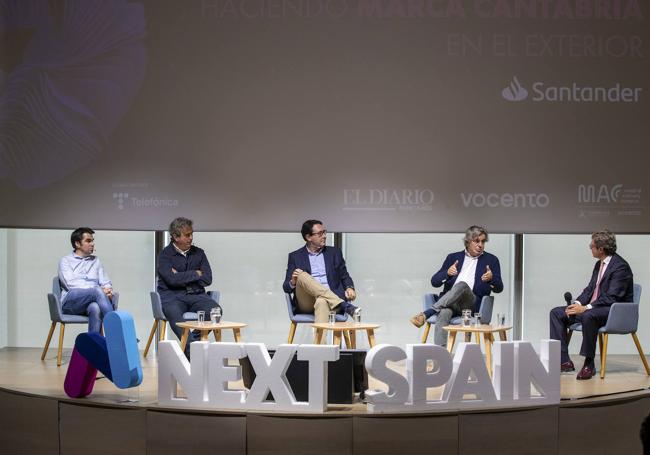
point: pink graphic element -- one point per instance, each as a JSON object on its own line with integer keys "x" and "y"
{"x": 80, "y": 378}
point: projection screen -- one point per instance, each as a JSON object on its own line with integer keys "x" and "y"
{"x": 373, "y": 115}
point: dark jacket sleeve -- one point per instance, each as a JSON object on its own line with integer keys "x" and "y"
{"x": 171, "y": 279}
{"x": 204, "y": 280}
{"x": 497, "y": 283}
{"x": 616, "y": 288}
{"x": 346, "y": 279}
{"x": 291, "y": 266}
{"x": 439, "y": 278}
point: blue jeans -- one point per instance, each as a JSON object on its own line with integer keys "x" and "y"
{"x": 88, "y": 301}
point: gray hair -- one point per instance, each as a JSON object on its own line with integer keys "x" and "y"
{"x": 474, "y": 232}
{"x": 606, "y": 240}
{"x": 177, "y": 224}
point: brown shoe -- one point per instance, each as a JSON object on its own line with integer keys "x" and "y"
{"x": 418, "y": 320}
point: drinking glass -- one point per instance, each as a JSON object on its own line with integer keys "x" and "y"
{"x": 467, "y": 314}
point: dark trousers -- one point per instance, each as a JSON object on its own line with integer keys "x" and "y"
{"x": 591, "y": 321}
{"x": 176, "y": 304}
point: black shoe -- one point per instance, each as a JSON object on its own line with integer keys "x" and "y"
{"x": 567, "y": 366}
{"x": 587, "y": 372}
{"x": 351, "y": 309}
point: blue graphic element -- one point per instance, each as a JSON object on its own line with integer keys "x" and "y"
{"x": 115, "y": 355}
{"x": 122, "y": 345}
{"x": 92, "y": 346}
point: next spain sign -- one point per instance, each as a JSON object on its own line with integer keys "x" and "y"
{"x": 521, "y": 376}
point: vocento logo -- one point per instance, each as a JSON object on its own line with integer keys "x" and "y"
{"x": 514, "y": 91}
{"x": 571, "y": 93}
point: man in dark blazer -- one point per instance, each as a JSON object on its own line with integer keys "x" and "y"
{"x": 183, "y": 274}
{"x": 467, "y": 277}
{"x": 317, "y": 276}
{"x": 611, "y": 281}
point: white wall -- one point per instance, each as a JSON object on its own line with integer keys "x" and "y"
{"x": 554, "y": 264}
{"x": 392, "y": 272}
{"x": 248, "y": 269}
{"x": 33, "y": 256}
{"x": 3, "y": 288}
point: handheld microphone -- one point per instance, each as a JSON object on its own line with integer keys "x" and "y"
{"x": 568, "y": 298}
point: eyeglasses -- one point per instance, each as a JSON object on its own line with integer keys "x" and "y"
{"x": 322, "y": 233}
{"x": 478, "y": 241}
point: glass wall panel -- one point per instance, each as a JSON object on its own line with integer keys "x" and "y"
{"x": 249, "y": 269}
{"x": 554, "y": 264}
{"x": 392, "y": 272}
{"x": 3, "y": 288}
{"x": 33, "y": 256}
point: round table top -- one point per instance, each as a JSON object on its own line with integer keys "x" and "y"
{"x": 208, "y": 325}
{"x": 473, "y": 328}
{"x": 339, "y": 326}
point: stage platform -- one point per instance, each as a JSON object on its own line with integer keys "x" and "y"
{"x": 37, "y": 417}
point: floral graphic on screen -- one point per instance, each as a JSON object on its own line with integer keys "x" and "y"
{"x": 69, "y": 72}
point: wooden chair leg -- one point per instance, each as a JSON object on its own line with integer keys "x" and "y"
{"x": 163, "y": 331}
{"x": 49, "y": 338}
{"x": 151, "y": 334}
{"x": 568, "y": 336}
{"x": 603, "y": 356}
{"x": 451, "y": 340}
{"x": 59, "y": 354}
{"x": 600, "y": 346}
{"x": 427, "y": 327}
{"x": 292, "y": 331}
{"x": 638, "y": 348}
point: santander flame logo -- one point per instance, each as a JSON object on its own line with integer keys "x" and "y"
{"x": 514, "y": 91}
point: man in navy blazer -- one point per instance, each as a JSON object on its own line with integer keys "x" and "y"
{"x": 467, "y": 277}
{"x": 317, "y": 276}
{"x": 611, "y": 281}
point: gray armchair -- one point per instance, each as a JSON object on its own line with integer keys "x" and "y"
{"x": 623, "y": 319}
{"x": 159, "y": 316}
{"x": 429, "y": 299}
{"x": 301, "y": 318}
{"x": 57, "y": 316}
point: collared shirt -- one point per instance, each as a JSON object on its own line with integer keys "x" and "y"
{"x": 184, "y": 253}
{"x": 317, "y": 264}
{"x": 81, "y": 272}
{"x": 601, "y": 274}
{"x": 467, "y": 273}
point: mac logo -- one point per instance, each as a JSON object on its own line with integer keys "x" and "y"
{"x": 514, "y": 91}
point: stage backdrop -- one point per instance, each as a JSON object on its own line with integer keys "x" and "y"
{"x": 374, "y": 115}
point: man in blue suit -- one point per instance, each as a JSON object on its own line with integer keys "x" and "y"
{"x": 611, "y": 281}
{"x": 467, "y": 277}
{"x": 317, "y": 276}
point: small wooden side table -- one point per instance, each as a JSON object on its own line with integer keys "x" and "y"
{"x": 349, "y": 331}
{"x": 488, "y": 332}
{"x": 206, "y": 327}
